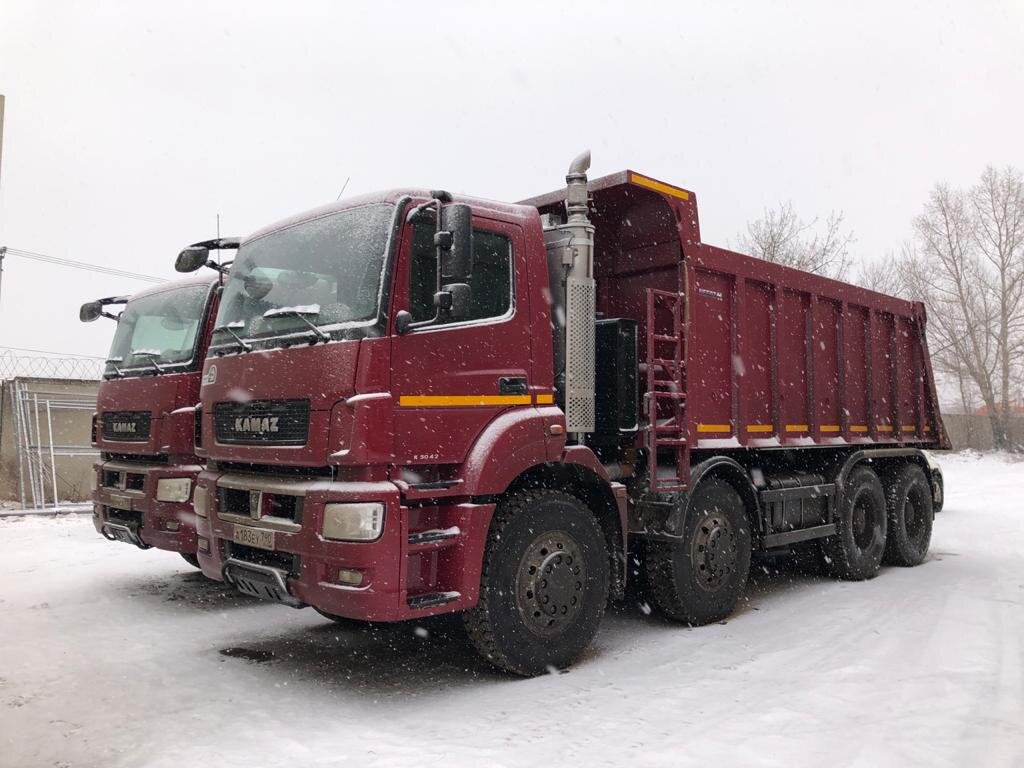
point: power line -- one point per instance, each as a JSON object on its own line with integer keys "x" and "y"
{"x": 82, "y": 265}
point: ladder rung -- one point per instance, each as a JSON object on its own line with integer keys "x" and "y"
{"x": 666, "y": 363}
{"x": 662, "y": 394}
{"x": 666, "y": 338}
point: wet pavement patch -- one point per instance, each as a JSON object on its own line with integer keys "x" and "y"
{"x": 247, "y": 653}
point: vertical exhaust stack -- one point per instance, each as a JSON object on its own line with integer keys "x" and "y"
{"x": 570, "y": 247}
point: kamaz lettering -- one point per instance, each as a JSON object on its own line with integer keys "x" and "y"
{"x": 256, "y": 424}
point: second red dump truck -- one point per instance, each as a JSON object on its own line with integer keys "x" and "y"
{"x": 144, "y": 425}
{"x": 415, "y": 404}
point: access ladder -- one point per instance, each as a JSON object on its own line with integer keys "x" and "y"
{"x": 665, "y": 399}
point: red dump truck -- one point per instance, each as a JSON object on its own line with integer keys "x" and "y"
{"x": 416, "y": 403}
{"x": 144, "y": 423}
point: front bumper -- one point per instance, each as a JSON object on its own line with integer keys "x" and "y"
{"x": 125, "y": 507}
{"x": 427, "y": 559}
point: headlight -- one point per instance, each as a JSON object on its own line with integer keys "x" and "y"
{"x": 199, "y": 501}
{"x": 173, "y": 489}
{"x": 362, "y": 521}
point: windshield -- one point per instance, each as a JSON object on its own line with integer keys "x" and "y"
{"x": 325, "y": 272}
{"x": 158, "y": 330}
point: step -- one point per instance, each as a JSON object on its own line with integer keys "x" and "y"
{"x": 432, "y": 599}
{"x": 438, "y": 538}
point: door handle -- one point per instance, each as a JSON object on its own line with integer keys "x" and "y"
{"x": 512, "y": 385}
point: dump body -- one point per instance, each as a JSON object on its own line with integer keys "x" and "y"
{"x": 145, "y": 430}
{"x": 772, "y": 357}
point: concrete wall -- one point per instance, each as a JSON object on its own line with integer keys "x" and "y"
{"x": 970, "y": 431}
{"x": 70, "y": 429}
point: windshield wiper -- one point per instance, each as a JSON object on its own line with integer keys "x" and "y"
{"x": 301, "y": 312}
{"x": 149, "y": 354}
{"x": 112, "y": 362}
{"x": 246, "y": 346}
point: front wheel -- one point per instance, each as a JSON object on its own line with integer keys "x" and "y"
{"x": 699, "y": 579}
{"x": 544, "y": 583}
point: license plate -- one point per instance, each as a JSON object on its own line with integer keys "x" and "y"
{"x": 254, "y": 537}
{"x": 121, "y": 502}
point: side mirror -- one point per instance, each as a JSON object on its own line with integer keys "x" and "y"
{"x": 90, "y": 311}
{"x": 403, "y": 319}
{"x": 455, "y": 242}
{"x": 453, "y": 301}
{"x": 192, "y": 258}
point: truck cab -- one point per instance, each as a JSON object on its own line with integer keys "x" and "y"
{"x": 144, "y": 424}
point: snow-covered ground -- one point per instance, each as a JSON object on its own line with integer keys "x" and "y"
{"x": 114, "y": 657}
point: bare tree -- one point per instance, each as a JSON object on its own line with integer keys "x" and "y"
{"x": 882, "y": 275}
{"x": 782, "y": 237}
{"x": 967, "y": 265}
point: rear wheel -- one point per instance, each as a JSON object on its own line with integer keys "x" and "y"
{"x": 191, "y": 558}
{"x": 699, "y": 579}
{"x": 855, "y": 551}
{"x": 544, "y": 583}
{"x": 909, "y": 501}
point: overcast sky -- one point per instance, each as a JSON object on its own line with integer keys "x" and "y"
{"x": 130, "y": 125}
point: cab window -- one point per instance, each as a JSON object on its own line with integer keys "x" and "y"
{"x": 491, "y": 281}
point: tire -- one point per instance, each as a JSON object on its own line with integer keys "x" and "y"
{"x": 191, "y": 558}
{"x": 699, "y": 579}
{"x": 909, "y": 500}
{"x": 525, "y": 623}
{"x": 341, "y": 621}
{"x": 854, "y": 553}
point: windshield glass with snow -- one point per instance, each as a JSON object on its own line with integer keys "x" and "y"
{"x": 325, "y": 272}
{"x": 158, "y": 331}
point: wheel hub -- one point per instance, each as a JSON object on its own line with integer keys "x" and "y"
{"x": 550, "y": 583}
{"x": 714, "y": 552}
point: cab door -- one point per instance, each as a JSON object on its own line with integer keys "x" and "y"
{"x": 450, "y": 379}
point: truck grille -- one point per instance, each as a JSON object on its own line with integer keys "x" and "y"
{"x": 262, "y": 422}
{"x": 127, "y": 426}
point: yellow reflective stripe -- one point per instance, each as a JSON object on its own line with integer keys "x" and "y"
{"x": 545, "y": 399}
{"x": 431, "y": 401}
{"x": 884, "y": 427}
{"x": 796, "y": 428}
{"x": 829, "y": 428}
{"x": 927, "y": 429}
{"x": 657, "y": 186}
{"x": 908, "y": 428}
{"x": 714, "y": 427}
{"x": 760, "y": 428}
{"x": 858, "y": 428}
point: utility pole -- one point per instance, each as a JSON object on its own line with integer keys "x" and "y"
{"x": 1, "y": 133}
{"x": 3, "y": 249}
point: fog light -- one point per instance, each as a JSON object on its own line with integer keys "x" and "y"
{"x": 173, "y": 489}
{"x": 172, "y": 525}
{"x": 204, "y": 545}
{"x": 199, "y": 501}
{"x": 362, "y": 521}
{"x": 350, "y": 578}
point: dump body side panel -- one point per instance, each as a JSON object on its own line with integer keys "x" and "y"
{"x": 830, "y": 363}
